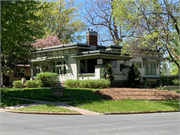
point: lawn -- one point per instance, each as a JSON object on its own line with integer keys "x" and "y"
{"x": 45, "y": 108}
{"x": 129, "y": 105}
{"x": 6, "y": 101}
{"x": 87, "y": 99}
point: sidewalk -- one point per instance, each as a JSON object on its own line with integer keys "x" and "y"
{"x": 60, "y": 104}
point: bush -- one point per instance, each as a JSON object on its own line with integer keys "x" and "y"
{"x": 176, "y": 81}
{"x": 86, "y": 84}
{"x": 99, "y": 83}
{"x": 46, "y": 79}
{"x": 70, "y": 83}
{"x": 17, "y": 84}
{"x": 107, "y": 70}
{"x": 31, "y": 84}
{"x": 134, "y": 76}
{"x": 166, "y": 81}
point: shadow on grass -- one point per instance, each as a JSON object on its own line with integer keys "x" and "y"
{"x": 81, "y": 96}
{"x": 75, "y": 96}
{"x": 171, "y": 103}
{"x": 6, "y": 101}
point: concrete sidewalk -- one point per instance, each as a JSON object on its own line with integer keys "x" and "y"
{"x": 60, "y": 104}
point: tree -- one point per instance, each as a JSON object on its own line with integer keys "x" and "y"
{"x": 174, "y": 70}
{"x": 98, "y": 14}
{"x": 46, "y": 41}
{"x": 158, "y": 25}
{"x": 108, "y": 72}
{"x": 19, "y": 29}
{"x": 62, "y": 19}
{"x": 134, "y": 76}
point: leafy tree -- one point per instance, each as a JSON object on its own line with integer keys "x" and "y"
{"x": 61, "y": 18}
{"x": 19, "y": 28}
{"x": 108, "y": 72}
{"x": 46, "y": 41}
{"x": 97, "y": 14}
{"x": 134, "y": 76}
{"x": 174, "y": 69}
{"x": 158, "y": 25}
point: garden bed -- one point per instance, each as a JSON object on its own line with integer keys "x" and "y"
{"x": 134, "y": 93}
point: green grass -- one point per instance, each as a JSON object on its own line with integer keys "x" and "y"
{"x": 6, "y": 101}
{"x": 75, "y": 95}
{"x": 45, "y": 108}
{"x": 32, "y": 93}
{"x": 87, "y": 99}
{"x": 129, "y": 105}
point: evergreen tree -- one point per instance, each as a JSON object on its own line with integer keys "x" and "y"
{"x": 134, "y": 76}
{"x": 108, "y": 72}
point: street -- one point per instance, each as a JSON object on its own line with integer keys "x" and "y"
{"x": 129, "y": 124}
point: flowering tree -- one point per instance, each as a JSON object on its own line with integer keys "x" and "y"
{"x": 47, "y": 41}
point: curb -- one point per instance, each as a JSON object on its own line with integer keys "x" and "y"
{"x": 64, "y": 113}
{"x": 49, "y": 113}
{"x": 145, "y": 112}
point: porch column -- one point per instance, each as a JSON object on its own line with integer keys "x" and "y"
{"x": 98, "y": 68}
{"x": 31, "y": 69}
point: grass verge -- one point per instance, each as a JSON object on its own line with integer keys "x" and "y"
{"x": 45, "y": 109}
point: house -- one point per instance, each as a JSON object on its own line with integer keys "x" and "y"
{"x": 83, "y": 61}
{"x": 21, "y": 70}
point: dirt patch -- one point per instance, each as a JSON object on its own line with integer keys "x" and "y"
{"x": 131, "y": 93}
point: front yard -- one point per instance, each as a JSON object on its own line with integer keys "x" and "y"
{"x": 87, "y": 99}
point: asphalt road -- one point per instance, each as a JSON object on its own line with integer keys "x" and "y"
{"x": 131, "y": 124}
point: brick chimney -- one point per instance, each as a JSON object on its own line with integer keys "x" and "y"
{"x": 91, "y": 39}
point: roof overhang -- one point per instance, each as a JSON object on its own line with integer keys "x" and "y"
{"x": 62, "y": 47}
{"x": 102, "y": 56}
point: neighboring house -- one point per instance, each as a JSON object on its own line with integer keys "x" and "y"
{"x": 20, "y": 71}
{"x": 85, "y": 61}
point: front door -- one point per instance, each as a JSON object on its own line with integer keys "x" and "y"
{"x": 6, "y": 80}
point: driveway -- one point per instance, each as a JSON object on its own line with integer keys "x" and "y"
{"x": 131, "y": 124}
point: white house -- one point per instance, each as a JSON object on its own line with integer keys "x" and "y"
{"x": 83, "y": 61}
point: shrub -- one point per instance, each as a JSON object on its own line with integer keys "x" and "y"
{"x": 46, "y": 79}
{"x": 107, "y": 70}
{"x": 166, "y": 81}
{"x": 70, "y": 83}
{"x": 134, "y": 76}
{"x": 99, "y": 83}
{"x": 31, "y": 84}
{"x": 86, "y": 84}
{"x": 17, "y": 84}
{"x": 176, "y": 81}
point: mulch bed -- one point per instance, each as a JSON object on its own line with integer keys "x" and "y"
{"x": 134, "y": 93}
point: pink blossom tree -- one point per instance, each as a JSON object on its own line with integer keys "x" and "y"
{"x": 47, "y": 41}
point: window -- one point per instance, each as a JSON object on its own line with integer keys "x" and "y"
{"x": 150, "y": 68}
{"x": 45, "y": 68}
{"x": 61, "y": 67}
{"x": 121, "y": 67}
{"x": 83, "y": 66}
{"x": 64, "y": 69}
{"x": 16, "y": 73}
{"x": 54, "y": 71}
{"x": 36, "y": 70}
{"x": 113, "y": 63}
{"x": 139, "y": 64}
{"x": 88, "y": 66}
